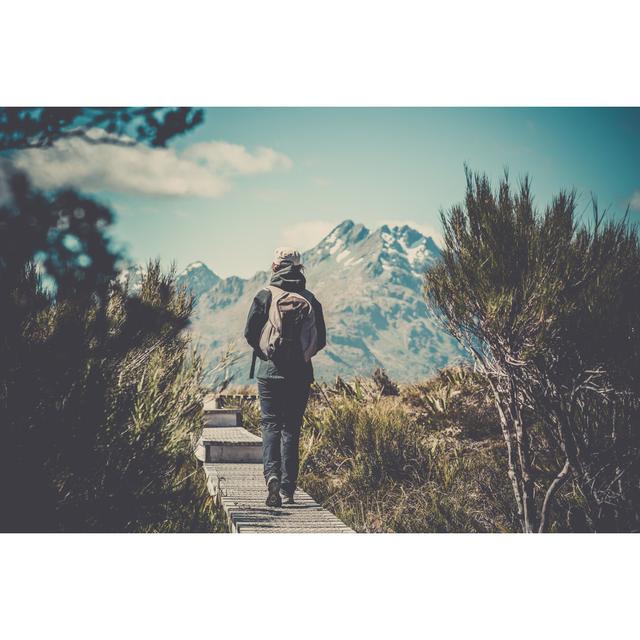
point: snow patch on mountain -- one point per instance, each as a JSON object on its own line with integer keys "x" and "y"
{"x": 198, "y": 278}
{"x": 370, "y": 286}
{"x": 131, "y": 278}
{"x": 192, "y": 267}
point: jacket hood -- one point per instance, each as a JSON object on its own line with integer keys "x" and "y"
{"x": 289, "y": 278}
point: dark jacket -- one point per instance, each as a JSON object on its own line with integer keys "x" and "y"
{"x": 289, "y": 278}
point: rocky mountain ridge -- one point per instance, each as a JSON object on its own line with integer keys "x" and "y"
{"x": 370, "y": 286}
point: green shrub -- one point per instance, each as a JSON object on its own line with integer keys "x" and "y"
{"x": 549, "y": 307}
{"x": 99, "y": 402}
{"x": 99, "y": 390}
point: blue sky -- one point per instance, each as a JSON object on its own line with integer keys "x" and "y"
{"x": 286, "y": 176}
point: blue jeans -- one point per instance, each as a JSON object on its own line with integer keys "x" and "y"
{"x": 282, "y": 403}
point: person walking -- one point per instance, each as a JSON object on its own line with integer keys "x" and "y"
{"x": 285, "y": 328}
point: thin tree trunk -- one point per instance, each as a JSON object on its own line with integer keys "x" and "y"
{"x": 570, "y": 450}
{"x": 512, "y": 467}
{"x": 524, "y": 457}
{"x": 551, "y": 491}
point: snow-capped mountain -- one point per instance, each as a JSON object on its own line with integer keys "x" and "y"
{"x": 131, "y": 278}
{"x": 198, "y": 278}
{"x": 370, "y": 287}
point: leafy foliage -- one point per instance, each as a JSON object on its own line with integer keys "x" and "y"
{"x": 100, "y": 390}
{"x": 550, "y": 310}
{"x": 99, "y": 403}
{"x": 23, "y": 128}
{"x": 64, "y": 232}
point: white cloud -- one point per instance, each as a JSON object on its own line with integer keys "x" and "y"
{"x": 634, "y": 202}
{"x": 203, "y": 169}
{"x": 424, "y": 229}
{"x": 304, "y": 235}
{"x": 228, "y": 158}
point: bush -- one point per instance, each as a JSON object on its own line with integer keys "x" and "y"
{"x": 99, "y": 390}
{"x": 99, "y": 400}
{"x": 550, "y": 310}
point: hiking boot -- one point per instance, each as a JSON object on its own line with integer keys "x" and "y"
{"x": 273, "y": 488}
{"x": 287, "y": 498}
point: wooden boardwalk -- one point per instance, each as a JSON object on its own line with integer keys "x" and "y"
{"x": 232, "y": 463}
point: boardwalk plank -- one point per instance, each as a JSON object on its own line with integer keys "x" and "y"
{"x": 240, "y": 487}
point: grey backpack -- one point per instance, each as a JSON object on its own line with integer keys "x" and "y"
{"x": 290, "y": 334}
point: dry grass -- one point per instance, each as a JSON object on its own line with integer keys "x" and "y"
{"x": 428, "y": 459}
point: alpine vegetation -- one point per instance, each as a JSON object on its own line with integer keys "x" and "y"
{"x": 421, "y": 457}
{"x": 549, "y": 307}
{"x": 100, "y": 389}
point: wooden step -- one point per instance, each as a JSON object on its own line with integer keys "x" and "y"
{"x": 233, "y": 452}
{"x": 222, "y": 418}
{"x": 224, "y": 440}
{"x": 232, "y": 459}
{"x": 231, "y": 444}
{"x": 240, "y": 489}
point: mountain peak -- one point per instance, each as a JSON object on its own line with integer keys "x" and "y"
{"x": 403, "y": 248}
{"x": 196, "y": 266}
{"x": 198, "y": 278}
{"x": 337, "y": 242}
{"x": 347, "y": 232}
{"x": 370, "y": 285}
{"x": 344, "y": 227}
{"x": 408, "y": 235}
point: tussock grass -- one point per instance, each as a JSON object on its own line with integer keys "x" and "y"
{"x": 429, "y": 459}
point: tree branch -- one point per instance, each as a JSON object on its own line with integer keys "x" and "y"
{"x": 551, "y": 491}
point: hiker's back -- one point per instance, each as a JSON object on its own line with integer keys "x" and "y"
{"x": 285, "y": 326}
{"x": 285, "y": 329}
{"x": 293, "y": 332}
{"x": 289, "y": 337}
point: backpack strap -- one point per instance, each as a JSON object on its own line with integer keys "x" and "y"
{"x": 253, "y": 364}
{"x": 254, "y": 355}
